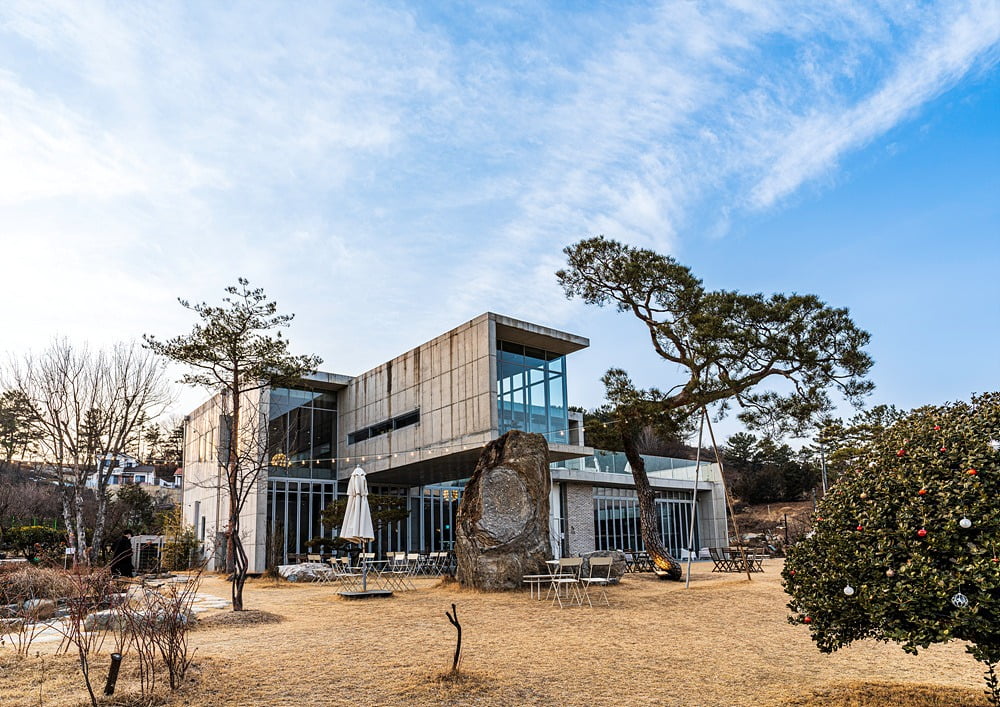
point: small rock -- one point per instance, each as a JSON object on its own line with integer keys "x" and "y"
{"x": 40, "y": 609}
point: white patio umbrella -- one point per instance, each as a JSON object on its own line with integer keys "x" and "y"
{"x": 357, "y": 526}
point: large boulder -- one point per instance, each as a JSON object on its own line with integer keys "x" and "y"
{"x": 502, "y": 528}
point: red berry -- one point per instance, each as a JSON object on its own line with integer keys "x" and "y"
{"x": 937, "y": 427}
{"x": 996, "y": 559}
{"x": 922, "y": 492}
{"x": 972, "y": 472}
{"x": 943, "y": 449}
{"x": 901, "y": 453}
{"x": 793, "y": 571}
{"x": 808, "y": 619}
{"x": 922, "y": 532}
{"x": 860, "y": 528}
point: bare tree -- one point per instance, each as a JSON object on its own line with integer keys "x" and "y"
{"x": 87, "y": 406}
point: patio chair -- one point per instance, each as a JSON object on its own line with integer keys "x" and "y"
{"x": 722, "y": 562}
{"x": 397, "y": 572}
{"x": 436, "y": 562}
{"x": 600, "y": 578}
{"x": 567, "y": 578}
{"x": 415, "y": 563}
{"x": 629, "y": 561}
{"x": 342, "y": 574}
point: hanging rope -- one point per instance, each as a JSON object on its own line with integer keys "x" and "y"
{"x": 694, "y": 495}
{"x": 729, "y": 500}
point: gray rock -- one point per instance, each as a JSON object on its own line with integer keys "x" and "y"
{"x": 617, "y": 564}
{"x": 113, "y": 619}
{"x": 502, "y": 527}
{"x": 108, "y": 619}
{"x": 39, "y": 609}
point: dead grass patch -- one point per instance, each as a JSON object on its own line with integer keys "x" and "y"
{"x": 889, "y": 694}
{"x": 725, "y": 641}
{"x": 250, "y": 617}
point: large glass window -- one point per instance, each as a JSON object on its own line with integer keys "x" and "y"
{"x": 616, "y": 520}
{"x": 531, "y": 391}
{"x": 302, "y": 433}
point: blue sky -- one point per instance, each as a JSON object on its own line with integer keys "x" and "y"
{"x": 389, "y": 170}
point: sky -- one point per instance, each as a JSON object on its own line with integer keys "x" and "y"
{"x": 389, "y": 170}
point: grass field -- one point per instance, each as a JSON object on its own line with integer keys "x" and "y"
{"x": 724, "y": 641}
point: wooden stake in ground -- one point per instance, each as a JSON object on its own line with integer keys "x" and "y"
{"x": 453, "y": 617}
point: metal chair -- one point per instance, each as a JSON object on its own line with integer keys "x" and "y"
{"x": 567, "y": 577}
{"x": 601, "y": 581}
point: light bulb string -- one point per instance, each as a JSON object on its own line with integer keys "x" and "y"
{"x": 417, "y": 451}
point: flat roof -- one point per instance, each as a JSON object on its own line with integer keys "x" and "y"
{"x": 517, "y": 331}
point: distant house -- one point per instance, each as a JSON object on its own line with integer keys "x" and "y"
{"x": 126, "y": 469}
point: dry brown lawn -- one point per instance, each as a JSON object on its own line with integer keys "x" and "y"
{"x": 724, "y": 641}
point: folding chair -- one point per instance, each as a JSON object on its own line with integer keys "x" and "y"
{"x": 629, "y": 561}
{"x": 722, "y": 563}
{"x": 603, "y": 564}
{"x": 567, "y": 577}
{"x": 397, "y": 572}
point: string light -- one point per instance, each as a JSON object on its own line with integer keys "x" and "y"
{"x": 436, "y": 449}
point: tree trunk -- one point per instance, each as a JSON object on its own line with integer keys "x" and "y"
{"x": 648, "y": 521}
{"x": 67, "y": 512}
{"x": 236, "y": 558}
{"x": 81, "y": 526}
{"x": 102, "y": 506}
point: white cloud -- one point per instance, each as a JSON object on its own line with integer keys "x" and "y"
{"x": 395, "y": 171}
{"x": 812, "y": 145}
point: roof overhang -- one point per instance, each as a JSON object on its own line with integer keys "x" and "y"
{"x": 537, "y": 336}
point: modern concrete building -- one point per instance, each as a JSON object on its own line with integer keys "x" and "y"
{"x": 417, "y": 425}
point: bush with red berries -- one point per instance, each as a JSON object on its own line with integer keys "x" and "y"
{"x": 906, "y": 547}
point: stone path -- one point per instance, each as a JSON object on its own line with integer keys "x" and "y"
{"x": 51, "y": 633}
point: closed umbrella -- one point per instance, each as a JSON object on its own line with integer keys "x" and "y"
{"x": 357, "y": 526}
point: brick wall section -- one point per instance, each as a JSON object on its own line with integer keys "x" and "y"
{"x": 580, "y": 514}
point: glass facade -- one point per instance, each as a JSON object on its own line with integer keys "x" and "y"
{"x": 616, "y": 520}
{"x": 294, "y": 507}
{"x": 293, "y": 515}
{"x": 302, "y": 433}
{"x": 531, "y": 391}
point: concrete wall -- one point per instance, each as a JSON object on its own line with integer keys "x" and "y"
{"x": 205, "y": 490}
{"x": 713, "y": 525}
{"x": 448, "y": 379}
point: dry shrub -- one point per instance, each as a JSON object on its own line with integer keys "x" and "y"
{"x": 156, "y": 624}
{"x": 889, "y": 694}
{"x": 91, "y": 591}
{"x": 23, "y": 590}
{"x": 453, "y": 688}
{"x": 20, "y": 583}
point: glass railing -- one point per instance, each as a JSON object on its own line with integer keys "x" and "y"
{"x": 656, "y": 467}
